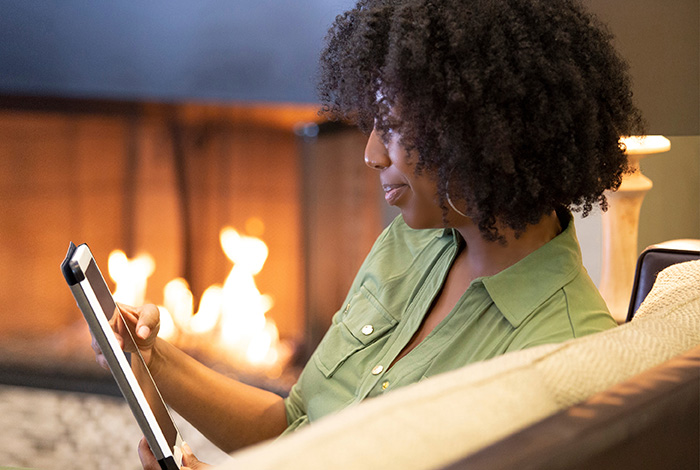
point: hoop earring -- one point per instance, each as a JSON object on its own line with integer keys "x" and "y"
{"x": 449, "y": 201}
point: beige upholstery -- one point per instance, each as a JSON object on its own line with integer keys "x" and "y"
{"x": 439, "y": 420}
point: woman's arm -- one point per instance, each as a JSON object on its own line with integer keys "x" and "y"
{"x": 230, "y": 414}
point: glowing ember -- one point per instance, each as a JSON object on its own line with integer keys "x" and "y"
{"x": 231, "y": 316}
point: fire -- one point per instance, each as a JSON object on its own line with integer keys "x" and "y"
{"x": 230, "y": 316}
{"x": 177, "y": 302}
{"x": 243, "y": 323}
{"x": 207, "y": 317}
{"x": 130, "y": 276}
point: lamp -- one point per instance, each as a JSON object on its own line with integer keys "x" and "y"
{"x": 621, "y": 224}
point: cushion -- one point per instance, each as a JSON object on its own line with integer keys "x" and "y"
{"x": 444, "y": 418}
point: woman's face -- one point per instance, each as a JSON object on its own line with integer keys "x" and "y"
{"x": 415, "y": 195}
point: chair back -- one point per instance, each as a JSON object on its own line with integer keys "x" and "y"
{"x": 653, "y": 260}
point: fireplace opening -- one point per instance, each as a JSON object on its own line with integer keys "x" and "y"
{"x": 244, "y": 222}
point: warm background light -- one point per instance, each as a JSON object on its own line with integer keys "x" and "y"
{"x": 646, "y": 144}
{"x": 230, "y": 319}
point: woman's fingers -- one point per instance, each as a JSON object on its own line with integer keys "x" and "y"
{"x": 143, "y": 322}
{"x": 128, "y": 313}
{"x": 149, "y": 321}
{"x": 99, "y": 357}
{"x": 148, "y": 460}
{"x": 145, "y": 319}
{"x": 189, "y": 461}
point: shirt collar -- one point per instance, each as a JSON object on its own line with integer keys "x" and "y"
{"x": 553, "y": 265}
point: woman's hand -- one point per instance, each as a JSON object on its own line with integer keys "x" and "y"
{"x": 143, "y": 322}
{"x": 189, "y": 461}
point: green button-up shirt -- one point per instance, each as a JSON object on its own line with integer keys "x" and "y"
{"x": 546, "y": 297}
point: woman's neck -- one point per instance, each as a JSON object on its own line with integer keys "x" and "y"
{"x": 486, "y": 258}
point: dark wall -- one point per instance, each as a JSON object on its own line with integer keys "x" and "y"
{"x": 254, "y": 50}
{"x": 246, "y": 50}
{"x": 661, "y": 41}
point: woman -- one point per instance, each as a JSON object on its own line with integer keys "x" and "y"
{"x": 488, "y": 121}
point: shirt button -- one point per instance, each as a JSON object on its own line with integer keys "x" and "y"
{"x": 377, "y": 369}
{"x": 385, "y": 385}
{"x": 367, "y": 330}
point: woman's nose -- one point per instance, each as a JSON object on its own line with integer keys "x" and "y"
{"x": 376, "y": 155}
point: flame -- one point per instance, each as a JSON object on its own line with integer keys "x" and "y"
{"x": 207, "y": 317}
{"x": 130, "y": 276}
{"x": 178, "y": 301}
{"x": 232, "y": 314}
{"x": 243, "y": 307}
{"x": 167, "y": 330}
{"x": 261, "y": 349}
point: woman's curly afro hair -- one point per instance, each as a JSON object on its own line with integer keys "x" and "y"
{"x": 515, "y": 106}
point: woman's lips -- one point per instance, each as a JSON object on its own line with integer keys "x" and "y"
{"x": 392, "y": 192}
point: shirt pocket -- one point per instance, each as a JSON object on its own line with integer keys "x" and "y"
{"x": 364, "y": 321}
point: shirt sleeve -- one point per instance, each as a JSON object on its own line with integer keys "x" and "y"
{"x": 294, "y": 406}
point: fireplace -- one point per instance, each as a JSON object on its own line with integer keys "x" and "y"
{"x": 164, "y": 180}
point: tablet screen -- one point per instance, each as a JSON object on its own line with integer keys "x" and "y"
{"x": 104, "y": 297}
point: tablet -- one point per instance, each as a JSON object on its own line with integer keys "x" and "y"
{"x": 129, "y": 369}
